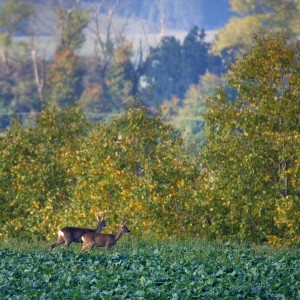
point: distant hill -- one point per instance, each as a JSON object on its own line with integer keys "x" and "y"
{"x": 142, "y": 19}
{"x": 175, "y": 14}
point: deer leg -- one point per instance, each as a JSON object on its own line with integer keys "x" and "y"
{"x": 68, "y": 243}
{"x": 57, "y": 243}
{"x": 83, "y": 248}
{"x": 90, "y": 247}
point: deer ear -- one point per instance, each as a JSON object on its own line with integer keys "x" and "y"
{"x": 98, "y": 217}
{"x": 103, "y": 216}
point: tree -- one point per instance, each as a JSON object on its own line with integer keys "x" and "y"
{"x": 190, "y": 115}
{"x": 258, "y": 16}
{"x": 108, "y": 86}
{"x": 35, "y": 162}
{"x": 164, "y": 74}
{"x": 109, "y": 70}
{"x": 63, "y": 170}
{"x": 173, "y": 67}
{"x": 137, "y": 166}
{"x": 252, "y": 156}
{"x": 64, "y": 78}
{"x": 18, "y": 92}
{"x": 71, "y": 23}
{"x": 13, "y": 18}
{"x": 195, "y": 55}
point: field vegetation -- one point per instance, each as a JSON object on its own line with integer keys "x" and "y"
{"x": 149, "y": 269}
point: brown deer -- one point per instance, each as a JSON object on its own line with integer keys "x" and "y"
{"x": 68, "y": 235}
{"x": 103, "y": 240}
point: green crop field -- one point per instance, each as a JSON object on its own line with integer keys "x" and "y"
{"x": 172, "y": 269}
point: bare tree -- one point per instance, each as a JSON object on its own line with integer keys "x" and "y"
{"x": 38, "y": 69}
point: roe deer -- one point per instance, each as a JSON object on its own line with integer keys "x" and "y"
{"x": 68, "y": 235}
{"x": 102, "y": 240}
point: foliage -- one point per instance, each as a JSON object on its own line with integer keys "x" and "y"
{"x": 60, "y": 171}
{"x": 174, "y": 67}
{"x": 196, "y": 57}
{"x": 72, "y": 24}
{"x": 15, "y": 96}
{"x": 165, "y": 69}
{"x": 108, "y": 80}
{"x": 101, "y": 83}
{"x": 189, "y": 117}
{"x": 131, "y": 168}
{"x": 245, "y": 186}
{"x": 258, "y": 16}
{"x": 13, "y": 16}
{"x": 34, "y": 166}
{"x": 151, "y": 269}
{"x": 57, "y": 174}
{"x": 64, "y": 79}
{"x": 252, "y": 157}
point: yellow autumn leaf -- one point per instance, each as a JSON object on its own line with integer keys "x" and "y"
{"x": 180, "y": 183}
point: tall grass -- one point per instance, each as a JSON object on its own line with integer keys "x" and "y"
{"x": 171, "y": 246}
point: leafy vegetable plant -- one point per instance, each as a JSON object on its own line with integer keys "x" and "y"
{"x": 151, "y": 270}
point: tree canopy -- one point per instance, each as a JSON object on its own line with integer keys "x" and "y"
{"x": 173, "y": 66}
{"x": 252, "y": 156}
{"x": 258, "y": 16}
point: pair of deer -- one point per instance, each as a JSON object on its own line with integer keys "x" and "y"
{"x": 90, "y": 237}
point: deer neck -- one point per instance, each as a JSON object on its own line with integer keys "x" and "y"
{"x": 118, "y": 235}
{"x": 99, "y": 228}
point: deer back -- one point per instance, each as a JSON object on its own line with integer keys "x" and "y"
{"x": 99, "y": 239}
{"x": 74, "y": 233}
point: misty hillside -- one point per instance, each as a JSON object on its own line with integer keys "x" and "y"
{"x": 140, "y": 19}
{"x": 179, "y": 15}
